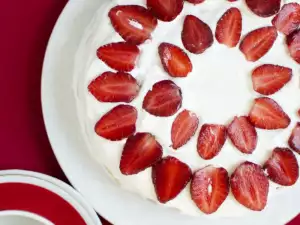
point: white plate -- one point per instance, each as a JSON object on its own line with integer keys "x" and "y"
{"x": 116, "y": 205}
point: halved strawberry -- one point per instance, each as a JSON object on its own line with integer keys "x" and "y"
{"x": 118, "y": 123}
{"x": 242, "y": 134}
{"x": 195, "y": 1}
{"x": 268, "y": 79}
{"x": 267, "y": 114}
{"x": 174, "y": 60}
{"x": 288, "y": 18}
{"x": 170, "y": 176}
{"x": 294, "y": 140}
{"x": 282, "y": 167}
{"x": 164, "y": 99}
{"x": 196, "y": 35}
{"x": 165, "y": 10}
{"x": 210, "y": 188}
{"x": 133, "y": 22}
{"x": 140, "y": 152}
{"x": 120, "y": 56}
{"x": 258, "y": 42}
{"x": 264, "y": 8}
{"x": 114, "y": 87}
{"x": 250, "y": 186}
{"x": 183, "y": 128}
{"x": 211, "y": 139}
{"x": 229, "y": 27}
{"x": 293, "y": 43}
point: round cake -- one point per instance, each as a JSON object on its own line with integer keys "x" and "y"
{"x": 194, "y": 104}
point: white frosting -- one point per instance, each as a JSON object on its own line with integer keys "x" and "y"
{"x": 218, "y": 88}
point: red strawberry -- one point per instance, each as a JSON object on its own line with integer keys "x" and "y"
{"x": 133, "y": 22}
{"x": 165, "y": 10}
{"x": 294, "y": 140}
{"x": 170, "y": 176}
{"x": 250, "y": 186}
{"x": 210, "y": 188}
{"x": 288, "y": 19}
{"x": 282, "y": 167}
{"x": 229, "y": 28}
{"x": 267, "y": 114}
{"x": 120, "y": 56}
{"x": 258, "y": 42}
{"x": 118, "y": 123}
{"x": 196, "y": 35}
{"x": 174, "y": 60}
{"x": 242, "y": 134}
{"x": 195, "y": 1}
{"x": 293, "y": 43}
{"x": 164, "y": 99}
{"x": 140, "y": 152}
{"x": 114, "y": 87}
{"x": 211, "y": 139}
{"x": 183, "y": 128}
{"x": 268, "y": 79}
{"x": 264, "y": 8}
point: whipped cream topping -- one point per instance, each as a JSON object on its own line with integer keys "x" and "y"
{"x": 218, "y": 88}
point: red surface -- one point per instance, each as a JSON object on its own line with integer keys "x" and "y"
{"x": 25, "y": 29}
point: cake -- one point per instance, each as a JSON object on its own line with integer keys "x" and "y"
{"x": 194, "y": 104}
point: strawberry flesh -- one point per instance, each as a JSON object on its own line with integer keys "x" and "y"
{"x": 134, "y": 23}
{"x": 183, "y": 128}
{"x": 282, "y": 167}
{"x": 165, "y": 10}
{"x": 196, "y": 35}
{"x": 288, "y": 18}
{"x": 211, "y": 139}
{"x": 250, "y": 186}
{"x": 242, "y": 134}
{"x": 264, "y": 8}
{"x": 174, "y": 60}
{"x": 118, "y": 123}
{"x": 114, "y": 87}
{"x": 268, "y": 79}
{"x": 293, "y": 43}
{"x": 170, "y": 176}
{"x": 229, "y": 28}
{"x": 294, "y": 140}
{"x": 164, "y": 99}
{"x": 120, "y": 56}
{"x": 210, "y": 188}
{"x": 140, "y": 152}
{"x": 258, "y": 42}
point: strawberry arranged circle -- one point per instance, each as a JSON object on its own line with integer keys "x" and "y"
{"x": 210, "y": 185}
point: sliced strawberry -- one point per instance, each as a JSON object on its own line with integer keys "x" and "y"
{"x": 288, "y": 18}
{"x": 282, "y": 167}
{"x": 250, "y": 186}
{"x": 140, "y": 152}
{"x": 210, "y": 188}
{"x": 174, "y": 60}
{"x": 268, "y": 79}
{"x": 118, "y": 123}
{"x": 211, "y": 139}
{"x": 229, "y": 28}
{"x": 267, "y": 114}
{"x": 293, "y": 43}
{"x": 164, "y": 99}
{"x": 114, "y": 87}
{"x": 242, "y": 134}
{"x": 170, "y": 176}
{"x": 133, "y": 22}
{"x": 165, "y": 10}
{"x": 183, "y": 128}
{"x": 264, "y": 8}
{"x": 196, "y": 35}
{"x": 294, "y": 140}
{"x": 258, "y": 42}
{"x": 120, "y": 56}
{"x": 195, "y": 1}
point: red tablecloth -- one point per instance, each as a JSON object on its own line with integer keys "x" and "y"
{"x": 26, "y": 26}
